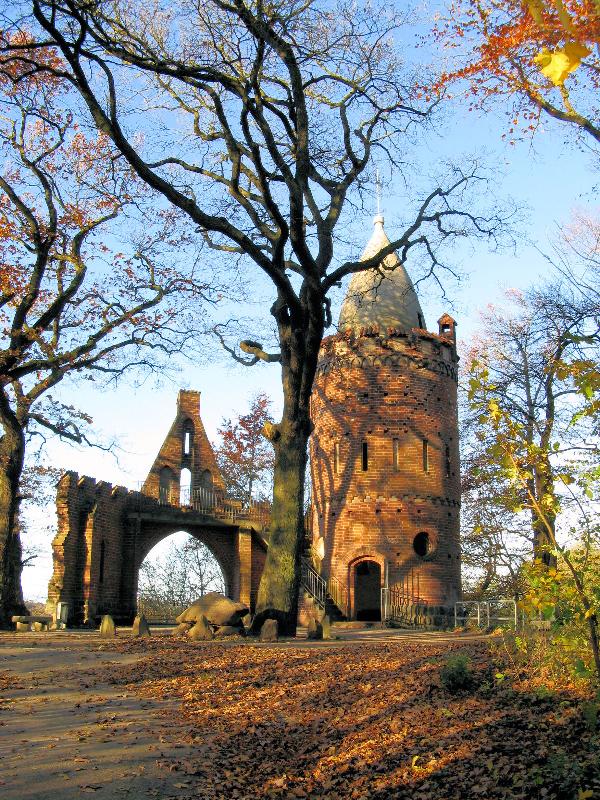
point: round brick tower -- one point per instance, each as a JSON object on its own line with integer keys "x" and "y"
{"x": 384, "y": 453}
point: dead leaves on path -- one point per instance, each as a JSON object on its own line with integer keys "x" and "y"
{"x": 366, "y": 721}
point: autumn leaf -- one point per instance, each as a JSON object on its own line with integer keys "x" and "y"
{"x": 558, "y": 64}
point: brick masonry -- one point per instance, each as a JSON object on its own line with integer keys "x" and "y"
{"x": 377, "y": 398}
{"x": 385, "y": 466}
{"x": 105, "y": 532}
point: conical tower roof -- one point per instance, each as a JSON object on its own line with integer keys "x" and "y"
{"x": 383, "y": 297}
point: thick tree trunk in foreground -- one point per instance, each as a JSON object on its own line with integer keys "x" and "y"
{"x": 12, "y": 450}
{"x": 278, "y": 592}
{"x": 300, "y": 341}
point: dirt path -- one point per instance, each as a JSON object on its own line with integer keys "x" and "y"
{"x": 64, "y": 735}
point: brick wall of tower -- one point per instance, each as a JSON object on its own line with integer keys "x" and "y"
{"x": 376, "y": 389}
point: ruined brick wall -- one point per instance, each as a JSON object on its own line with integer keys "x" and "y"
{"x": 388, "y": 403}
{"x": 104, "y": 534}
{"x": 178, "y": 452}
{"x": 88, "y": 546}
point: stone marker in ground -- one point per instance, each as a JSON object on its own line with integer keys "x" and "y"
{"x": 326, "y": 623}
{"x": 269, "y": 631}
{"x": 22, "y": 627}
{"x": 140, "y": 627}
{"x": 218, "y": 610}
{"x": 107, "y": 627}
{"x": 314, "y": 630}
{"x": 201, "y": 631}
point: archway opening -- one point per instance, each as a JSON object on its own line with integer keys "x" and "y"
{"x": 367, "y": 591}
{"x": 177, "y": 571}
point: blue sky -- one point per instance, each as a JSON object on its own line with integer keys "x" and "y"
{"x": 549, "y": 177}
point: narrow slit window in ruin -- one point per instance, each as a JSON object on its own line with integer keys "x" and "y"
{"x": 425, "y": 455}
{"x": 336, "y": 458}
{"x": 187, "y": 443}
{"x": 365, "y": 457}
{"x": 447, "y": 461}
{"x": 396, "y": 454}
{"x": 102, "y": 557}
{"x": 185, "y": 487}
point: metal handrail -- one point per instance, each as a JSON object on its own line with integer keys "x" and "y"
{"x": 337, "y": 591}
{"x": 211, "y": 502}
{"x": 314, "y": 584}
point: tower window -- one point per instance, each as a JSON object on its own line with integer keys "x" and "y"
{"x": 422, "y": 544}
{"x": 188, "y": 436}
{"x": 336, "y": 458}
{"x": 365, "y": 457}
{"x": 447, "y": 461}
{"x": 396, "y": 454}
{"x": 425, "y": 455}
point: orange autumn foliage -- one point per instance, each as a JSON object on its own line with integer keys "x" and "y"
{"x": 543, "y": 54}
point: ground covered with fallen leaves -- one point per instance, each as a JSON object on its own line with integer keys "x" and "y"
{"x": 355, "y": 720}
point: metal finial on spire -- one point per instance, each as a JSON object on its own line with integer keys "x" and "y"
{"x": 379, "y": 215}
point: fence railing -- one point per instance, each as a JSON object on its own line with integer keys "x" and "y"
{"x": 337, "y": 591}
{"x": 495, "y": 613}
{"x": 401, "y": 606}
{"x": 210, "y": 502}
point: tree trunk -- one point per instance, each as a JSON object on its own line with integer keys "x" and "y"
{"x": 278, "y": 592}
{"x": 12, "y": 450}
{"x": 300, "y": 341}
{"x": 543, "y": 514}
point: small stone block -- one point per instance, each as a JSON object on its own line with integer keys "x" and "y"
{"x": 107, "y": 627}
{"x": 326, "y": 624}
{"x": 23, "y": 627}
{"x": 315, "y": 630}
{"x": 140, "y": 627}
{"x": 39, "y": 626}
{"x": 269, "y": 631}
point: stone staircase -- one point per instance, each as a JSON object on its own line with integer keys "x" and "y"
{"x": 328, "y": 595}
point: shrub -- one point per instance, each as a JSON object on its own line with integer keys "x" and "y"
{"x": 456, "y": 673}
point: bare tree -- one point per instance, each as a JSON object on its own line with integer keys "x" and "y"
{"x": 171, "y": 582}
{"x": 264, "y": 122}
{"x": 70, "y": 304}
{"x": 525, "y": 353}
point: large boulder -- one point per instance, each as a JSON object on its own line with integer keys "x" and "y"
{"x": 229, "y": 630}
{"x": 314, "y": 630}
{"x": 218, "y": 610}
{"x": 201, "y": 631}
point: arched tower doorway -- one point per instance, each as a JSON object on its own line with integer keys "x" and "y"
{"x": 367, "y": 591}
